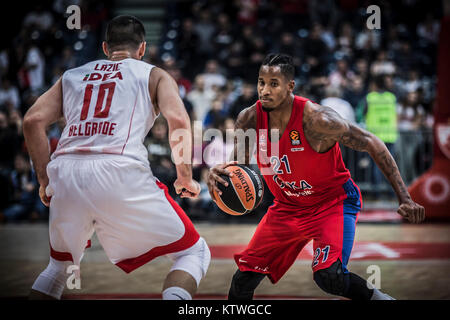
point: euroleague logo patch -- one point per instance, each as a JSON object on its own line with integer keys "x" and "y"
{"x": 295, "y": 137}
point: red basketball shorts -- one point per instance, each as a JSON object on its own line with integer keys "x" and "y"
{"x": 285, "y": 230}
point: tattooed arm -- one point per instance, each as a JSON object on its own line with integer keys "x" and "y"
{"x": 324, "y": 127}
{"x": 242, "y": 150}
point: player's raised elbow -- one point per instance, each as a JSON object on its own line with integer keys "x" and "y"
{"x": 33, "y": 119}
{"x": 374, "y": 144}
{"x": 178, "y": 120}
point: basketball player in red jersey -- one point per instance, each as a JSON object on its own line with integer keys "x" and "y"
{"x": 315, "y": 197}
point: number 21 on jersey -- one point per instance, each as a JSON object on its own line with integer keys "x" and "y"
{"x": 277, "y": 164}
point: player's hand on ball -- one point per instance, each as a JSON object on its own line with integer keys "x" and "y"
{"x": 187, "y": 188}
{"x": 412, "y": 211}
{"x": 214, "y": 177}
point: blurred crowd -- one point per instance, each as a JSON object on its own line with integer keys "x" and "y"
{"x": 30, "y": 62}
{"x": 213, "y": 49}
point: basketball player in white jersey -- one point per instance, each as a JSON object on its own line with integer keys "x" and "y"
{"x": 99, "y": 178}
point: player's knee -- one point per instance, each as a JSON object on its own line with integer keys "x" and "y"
{"x": 194, "y": 260}
{"x": 244, "y": 284}
{"x": 332, "y": 279}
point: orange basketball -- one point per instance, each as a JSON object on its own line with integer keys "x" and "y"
{"x": 244, "y": 192}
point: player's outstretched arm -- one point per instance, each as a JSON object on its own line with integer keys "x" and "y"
{"x": 241, "y": 153}
{"x": 166, "y": 99}
{"x": 46, "y": 110}
{"x": 327, "y": 124}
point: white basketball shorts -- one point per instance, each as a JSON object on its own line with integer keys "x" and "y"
{"x": 131, "y": 212}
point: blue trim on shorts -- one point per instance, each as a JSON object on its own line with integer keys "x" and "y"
{"x": 352, "y": 205}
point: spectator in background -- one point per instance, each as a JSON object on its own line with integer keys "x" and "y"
{"x": 188, "y": 42}
{"x": 411, "y": 114}
{"x": 202, "y": 207}
{"x": 368, "y": 40}
{"x": 413, "y": 82}
{"x": 412, "y": 117}
{"x": 201, "y": 98}
{"x": 247, "y": 97}
{"x": 324, "y": 12}
{"x": 67, "y": 60}
{"x": 381, "y": 120}
{"x": 315, "y": 52}
{"x": 429, "y": 29}
{"x": 216, "y": 114}
{"x": 213, "y": 76}
{"x": 26, "y": 201}
{"x": 223, "y": 37}
{"x": 9, "y": 142}
{"x": 405, "y": 58}
{"x": 34, "y": 67}
{"x": 382, "y": 65}
{"x": 355, "y": 94}
{"x": 341, "y": 77}
{"x": 153, "y": 56}
{"x": 247, "y": 12}
{"x": 160, "y": 155}
{"x": 235, "y": 61}
{"x": 334, "y": 101}
{"x": 392, "y": 86}
{"x": 220, "y": 148}
{"x": 289, "y": 45}
{"x": 9, "y": 95}
{"x": 205, "y": 29}
{"x": 345, "y": 40}
{"x": 184, "y": 85}
{"x": 39, "y": 18}
{"x": 361, "y": 69}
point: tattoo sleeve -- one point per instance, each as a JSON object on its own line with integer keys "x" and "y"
{"x": 361, "y": 140}
{"x": 355, "y": 138}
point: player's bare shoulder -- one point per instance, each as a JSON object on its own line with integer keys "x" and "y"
{"x": 246, "y": 118}
{"x": 321, "y": 122}
{"x": 160, "y": 81}
{"x": 322, "y": 126}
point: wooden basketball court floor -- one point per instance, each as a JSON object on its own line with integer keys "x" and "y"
{"x": 413, "y": 260}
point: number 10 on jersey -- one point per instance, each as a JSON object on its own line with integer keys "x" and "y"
{"x": 100, "y": 111}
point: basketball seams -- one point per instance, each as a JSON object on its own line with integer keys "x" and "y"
{"x": 249, "y": 193}
{"x": 246, "y": 207}
{"x": 254, "y": 188}
{"x": 221, "y": 204}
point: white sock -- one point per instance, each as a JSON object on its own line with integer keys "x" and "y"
{"x": 378, "y": 295}
{"x": 176, "y": 293}
{"x": 52, "y": 280}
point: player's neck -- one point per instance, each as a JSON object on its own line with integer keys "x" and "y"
{"x": 120, "y": 55}
{"x": 284, "y": 109}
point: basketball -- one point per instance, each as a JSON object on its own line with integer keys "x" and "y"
{"x": 243, "y": 193}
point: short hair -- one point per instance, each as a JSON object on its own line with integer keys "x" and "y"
{"x": 284, "y": 61}
{"x": 125, "y": 31}
{"x": 380, "y": 81}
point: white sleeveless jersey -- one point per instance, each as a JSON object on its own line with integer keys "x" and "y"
{"x": 107, "y": 108}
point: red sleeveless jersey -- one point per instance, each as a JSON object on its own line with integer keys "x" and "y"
{"x": 295, "y": 173}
